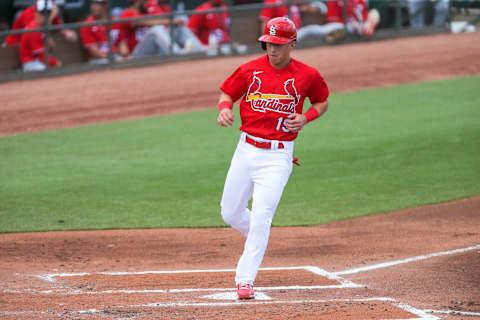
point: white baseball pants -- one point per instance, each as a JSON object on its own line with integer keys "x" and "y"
{"x": 315, "y": 31}
{"x": 35, "y": 65}
{"x": 260, "y": 174}
{"x": 157, "y": 42}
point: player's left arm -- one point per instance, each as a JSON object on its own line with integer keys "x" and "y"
{"x": 296, "y": 121}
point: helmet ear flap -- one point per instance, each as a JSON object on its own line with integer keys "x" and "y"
{"x": 264, "y": 45}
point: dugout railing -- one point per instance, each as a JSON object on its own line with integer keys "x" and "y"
{"x": 244, "y": 28}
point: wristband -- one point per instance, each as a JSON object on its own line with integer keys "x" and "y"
{"x": 225, "y": 104}
{"x": 311, "y": 114}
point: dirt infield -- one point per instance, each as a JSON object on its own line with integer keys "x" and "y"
{"x": 420, "y": 263}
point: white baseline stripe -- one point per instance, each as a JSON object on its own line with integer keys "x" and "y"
{"x": 236, "y": 303}
{"x": 206, "y": 304}
{"x": 345, "y": 283}
{"x": 195, "y": 271}
{"x": 50, "y": 277}
{"x": 187, "y": 290}
{"x": 421, "y": 313}
{"x": 454, "y": 312}
{"x": 418, "y": 258}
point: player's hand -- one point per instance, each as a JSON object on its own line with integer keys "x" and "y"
{"x": 225, "y": 117}
{"x": 51, "y": 42}
{"x": 295, "y": 122}
{"x": 179, "y": 21}
{"x": 53, "y": 13}
{"x": 70, "y": 35}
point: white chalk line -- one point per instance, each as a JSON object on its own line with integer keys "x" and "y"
{"x": 397, "y": 262}
{"x": 187, "y": 290}
{"x": 50, "y": 277}
{"x": 454, "y": 312}
{"x": 331, "y": 275}
{"x": 344, "y": 283}
{"x": 424, "y": 314}
{"x": 255, "y": 302}
{"x": 419, "y": 313}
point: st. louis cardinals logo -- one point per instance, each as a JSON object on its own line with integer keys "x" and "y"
{"x": 283, "y": 103}
{"x": 273, "y": 31}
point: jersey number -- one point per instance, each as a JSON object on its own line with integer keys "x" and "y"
{"x": 281, "y": 125}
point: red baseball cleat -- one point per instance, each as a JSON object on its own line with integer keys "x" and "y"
{"x": 245, "y": 291}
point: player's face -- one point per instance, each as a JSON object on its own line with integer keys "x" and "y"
{"x": 97, "y": 9}
{"x": 39, "y": 16}
{"x": 279, "y": 54}
{"x": 143, "y": 6}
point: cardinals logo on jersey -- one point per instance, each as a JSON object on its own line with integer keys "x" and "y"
{"x": 282, "y": 103}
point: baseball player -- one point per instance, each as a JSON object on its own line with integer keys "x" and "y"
{"x": 152, "y": 37}
{"x": 213, "y": 29}
{"x": 95, "y": 38}
{"x": 32, "y": 48}
{"x": 28, "y": 15}
{"x": 272, "y": 90}
{"x": 291, "y": 11}
{"x": 360, "y": 20}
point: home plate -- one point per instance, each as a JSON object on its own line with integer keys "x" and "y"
{"x": 233, "y": 296}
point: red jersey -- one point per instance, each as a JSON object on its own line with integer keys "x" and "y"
{"x": 270, "y": 95}
{"x": 32, "y": 46}
{"x": 128, "y": 32}
{"x": 155, "y": 7}
{"x": 356, "y": 10}
{"x": 205, "y": 24}
{"x": 23, "y": 20}
{"x": 281, "y": 11}
{"x": 96, "y": 36}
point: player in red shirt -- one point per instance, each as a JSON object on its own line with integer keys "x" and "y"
{"x": 28, "y": 15}
{"x": 213, "y": 28}
{"x": 210, "y": 25}
{"x": 95, "y": 38}
{"x": 359, "y": 18}
{"x": 157, "y": 7}
{"x": 360, "y": 21}
{"x": 292, "y": 12}
{"x": 271, "y": 90}
{"x": 32, "y": 49}
{"x": 152, "y": 37}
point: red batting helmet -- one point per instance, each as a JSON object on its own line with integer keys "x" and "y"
{"x": 279, "y": 31}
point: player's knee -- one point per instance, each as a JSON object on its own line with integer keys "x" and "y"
{"x": 261, "y": 222}
{"x": 228, "y": 215}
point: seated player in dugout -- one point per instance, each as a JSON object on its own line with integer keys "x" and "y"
{"x": 213, "y": 29}
{"x": 330, "y": 25}
{"x": 152, "y": 37}
{"x": 95, "y": 38}
{"x": 28, "y": 15}
{"x": 32, "y": 47}
{"x": 360, "y": 21}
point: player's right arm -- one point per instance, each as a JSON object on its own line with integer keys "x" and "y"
{"x": 233, "y": 88}
{"x": 225, "y": 117}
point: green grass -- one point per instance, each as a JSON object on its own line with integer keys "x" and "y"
{"x": 374, "y": 151}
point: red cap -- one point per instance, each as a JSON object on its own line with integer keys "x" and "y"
{"x": 279, "y": 31}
